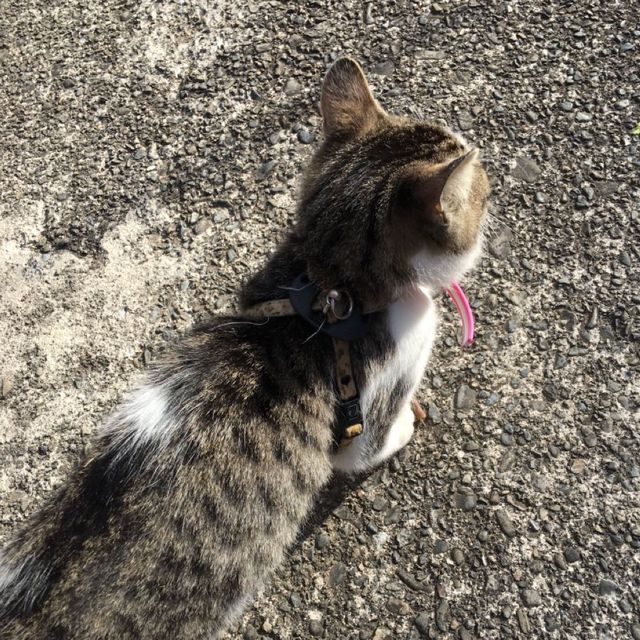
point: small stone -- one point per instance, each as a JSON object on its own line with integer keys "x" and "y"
{"x": 466, "y": 501}
{"x": 441, "y": 546}
{"x": 305, "y": 136}
{"x": 443, "y": 617}
{"x": 140, "y": 153}
{"x": 592, "y": 323}
{"x": 465, "y": 397}
{"x": 399, "y": 607}
{"x": 457, "y": 556}
{"x": 539, "y": 197}
{"x": 231, "y": 255}
{"x": 578, "y": 466}
{"x": 607, "y": 587}
{"x": 582, "y": 116}
{"x": 7, "y": 385}
{"x": 500, "y": 245}
{"x": 322, "y": 541}
{"x": 337, "y": 574}
{"x": 368, "y": 13}
{"x": 492, "y": 399}
{"x": 430, "y": 54}
{"x": 523, "y": 621}
{"x": 422, "y": 623}
{"x": 526, "y": 169}
{"x": 266, "y": 168}
{"x": 292, "y": 87}
{"x": 316, "y": 629}
{"x": 625, "y": 259}
{"x": 465, "y": 121}
{"x": 433, "y": 413}
{"x": 221, "y": 215}
{"x": 379, "y": 504}
{"x": 506, "y": 524}
{"x": 385, "y": 68}
{"x": 531, "y": 598}
{"x": 202, "y": 225}
{"x": 572, "y": 555}
{"x": 470, "y": 445}
{"x": 560, "y": 561}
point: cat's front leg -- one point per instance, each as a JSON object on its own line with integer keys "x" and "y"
{"x": 398, "y": 435}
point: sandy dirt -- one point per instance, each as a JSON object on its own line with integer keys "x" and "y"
{"x": 149, "y": 161}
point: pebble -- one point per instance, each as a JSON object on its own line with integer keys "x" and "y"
{"x": 443, "y": 617}
{"x": 422, "y": 622}
{"x": 465, "y": 397}
{"x": 466, "y": 501}
{"x": 457, "y": 556}
{"x": 7, "y": 385}
{"x": 523, "y": 621}
{"x": 316, "y": 629}
{"x": 531, "y": 598}
{"x": 368, "y": 13}
{"x": 572, "y": 555}
{"x": 430, "y": 54}
{"x": 337, "y": 574}
{"x": 399, "y": 607}
{"x": 607, "y": 587}
{"x": 465, "y": 121}
{"x": 385, "y": 68}
{"x": 578, "y": 466}
{"x": 505, "y": 522}
{"x": 526, "y": 169}
{"x": 305, "y": 136}
{"x": 204, "y": 224}
{"x": 292, "y": 87}
{"x": 322, "y": 541}
{"x": 441, "y": 546}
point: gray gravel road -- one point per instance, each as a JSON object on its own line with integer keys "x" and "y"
{"x": 149, "y": 160}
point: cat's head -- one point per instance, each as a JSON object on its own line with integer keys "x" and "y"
{"x": 387, "y": 202}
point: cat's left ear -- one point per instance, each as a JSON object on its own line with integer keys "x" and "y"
{"x": 347, "y": 104}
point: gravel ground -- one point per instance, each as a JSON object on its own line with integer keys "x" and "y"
{"x": 150, "y": 157}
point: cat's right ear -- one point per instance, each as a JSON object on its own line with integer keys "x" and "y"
{"x": 347, "y": 104}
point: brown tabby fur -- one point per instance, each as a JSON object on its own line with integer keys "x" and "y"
{"x": 168, "y": 537}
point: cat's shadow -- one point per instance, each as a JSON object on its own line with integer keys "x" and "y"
{"x": 331, "y": 497}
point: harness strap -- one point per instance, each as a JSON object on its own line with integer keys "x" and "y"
{"x": 349, "y": 413}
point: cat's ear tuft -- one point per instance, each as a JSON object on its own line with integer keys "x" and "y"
{"x": 347, "y": 104}
{"x": 458, "y": 176}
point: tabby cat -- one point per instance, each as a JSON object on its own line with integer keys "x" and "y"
{"x": 195, "y": 488}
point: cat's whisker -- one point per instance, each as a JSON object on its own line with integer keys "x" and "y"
{"x": 315, "y": 333}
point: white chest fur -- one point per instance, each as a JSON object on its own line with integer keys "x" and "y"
{"x": 412, "y": 324}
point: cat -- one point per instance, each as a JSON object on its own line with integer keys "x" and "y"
{"x": 198, "y": 484}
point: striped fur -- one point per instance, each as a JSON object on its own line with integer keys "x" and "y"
{"x": 198, "y": 484}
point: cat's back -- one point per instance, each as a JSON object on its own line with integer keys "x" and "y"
{"x": 195, "y": 487}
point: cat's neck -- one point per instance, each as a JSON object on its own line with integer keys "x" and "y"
{"x": 288, "y": 262}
